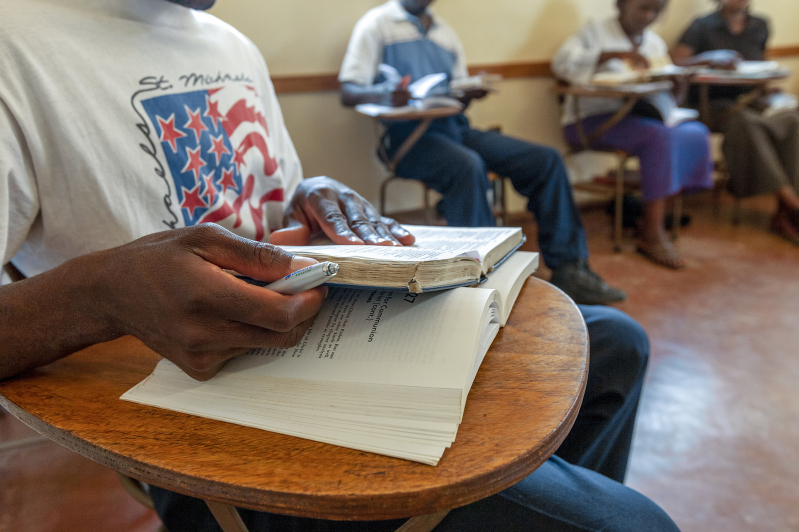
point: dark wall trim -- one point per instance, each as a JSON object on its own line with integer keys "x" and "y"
{"x": 530, "y": 69}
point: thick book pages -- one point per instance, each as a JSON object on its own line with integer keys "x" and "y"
{"x": 508, "y": 279}
{"x": 442, "y": 257}
{"x": 379, "y": 371}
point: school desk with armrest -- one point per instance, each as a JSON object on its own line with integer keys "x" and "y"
{"x": 538, "y": 363}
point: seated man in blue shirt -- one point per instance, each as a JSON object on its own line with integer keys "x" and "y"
{"x": 451, "y": 157}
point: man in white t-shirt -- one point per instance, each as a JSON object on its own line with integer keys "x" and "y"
{"x": 123, "y": 119}
{"x": 120, "y": 119}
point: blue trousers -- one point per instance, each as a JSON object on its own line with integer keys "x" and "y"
{"x": 577, "y": 490}
{"x": 453, "y": 159}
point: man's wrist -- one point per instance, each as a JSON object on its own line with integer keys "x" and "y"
{"x": 51, "y": 315}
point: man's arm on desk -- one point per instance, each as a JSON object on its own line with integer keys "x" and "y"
{"x": 353, "y": 94}
{"x": 169, "y": 290}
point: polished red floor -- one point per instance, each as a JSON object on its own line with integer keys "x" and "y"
{"x": 717, "y": 442}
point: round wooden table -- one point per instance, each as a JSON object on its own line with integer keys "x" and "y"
{"x": 522, "y": 404}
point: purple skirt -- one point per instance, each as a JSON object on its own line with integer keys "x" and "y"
{"x": 673, "y": 159}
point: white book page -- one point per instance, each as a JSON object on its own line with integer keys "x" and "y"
{"x": 474, "y": 242}
{"x": 374, "y": 109}
{"x": 378, "y": 336}
{"x": 388, "y": 253}
{"x": 509, "y": 278}
{"x": 422, "y": 86}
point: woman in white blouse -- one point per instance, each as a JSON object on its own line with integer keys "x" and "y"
{"x": 673, "y": 158}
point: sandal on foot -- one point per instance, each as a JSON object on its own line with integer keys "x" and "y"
{"x": 662, "y": 254}
{"x": 782, "y": 225}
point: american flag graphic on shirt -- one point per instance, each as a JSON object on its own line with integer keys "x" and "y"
{"x": 217, "y": 147}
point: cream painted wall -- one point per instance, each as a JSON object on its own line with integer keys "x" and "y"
{"x": 310, "y": 37}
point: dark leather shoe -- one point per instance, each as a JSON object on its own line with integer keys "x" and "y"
{"x": 584, "y": 286}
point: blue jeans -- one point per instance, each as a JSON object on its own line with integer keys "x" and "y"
{"x": 453, "y": 161}
{"x": 577, "y": 490}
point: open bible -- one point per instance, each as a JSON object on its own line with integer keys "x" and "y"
{"x": 442, "y": 257}
{"x": 428, "y": 92}
{"x": 379, "y": 371}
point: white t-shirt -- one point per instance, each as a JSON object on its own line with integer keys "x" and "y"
{"x": 578, "y": 60}
{"x": 388, "y": 34}
{"x": 120, "y": 118}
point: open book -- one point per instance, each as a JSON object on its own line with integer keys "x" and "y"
{"x": 378, "y": 371}
{"x": 486, "y": 82}
{"x": 427, "y": 92}
{"x": 442, "y": 257}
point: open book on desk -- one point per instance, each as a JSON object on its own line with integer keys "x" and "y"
{"x": 378, "y": 371}
{"x": 442, "y": 257}
{"x": 427, "y": 92}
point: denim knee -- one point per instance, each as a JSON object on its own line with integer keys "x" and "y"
{"x": 471, "y": 171}
{"x": 615, "y": 336}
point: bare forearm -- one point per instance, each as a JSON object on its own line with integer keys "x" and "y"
{"x": 50, "y": 316}
{"x": 352, "y": 94}
{"x": 168, "y": 289}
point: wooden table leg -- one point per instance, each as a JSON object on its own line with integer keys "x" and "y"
{"x": 423, "y": 523}
{"x": 227, "y": 516}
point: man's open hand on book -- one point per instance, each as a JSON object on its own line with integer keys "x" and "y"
{"x": 321, "y": 204}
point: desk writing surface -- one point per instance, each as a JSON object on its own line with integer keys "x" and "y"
{"x": 523, "y": 402}
{"x": 712, "y": 78}
{"x": 419, "y": 114}
{"x": 626, "y": 90}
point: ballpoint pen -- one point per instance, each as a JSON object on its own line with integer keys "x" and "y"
{"x": 304, "y": 279}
